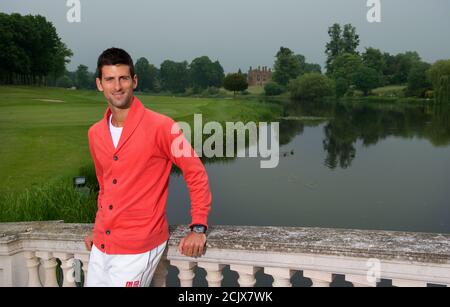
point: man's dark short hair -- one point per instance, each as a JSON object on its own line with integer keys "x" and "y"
{"x": 114, "y": 56}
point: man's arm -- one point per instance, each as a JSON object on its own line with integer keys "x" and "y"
{"x": 196, "y": 178}
{"x": 89, "y": 239}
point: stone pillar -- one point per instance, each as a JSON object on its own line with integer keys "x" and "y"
{"x": 281, "y": 276}
{"x": 67, "y": 266}
{"x": 186, "y": 274}
{"x": 246, "y": 274}
{"x": 214, "y": 274}
{"x": 49, "y": 268}
{"x": 84, "y": 258}
{"x": 33, "y": 269}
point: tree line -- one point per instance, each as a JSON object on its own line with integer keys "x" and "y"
{"x": 31, "y": 52}
{"x": 349, "y": 71}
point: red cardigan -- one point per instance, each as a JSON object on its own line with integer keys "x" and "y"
{"x": 134, "y": 179}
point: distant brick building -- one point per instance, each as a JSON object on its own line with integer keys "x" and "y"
{"x": 259, "y": 76}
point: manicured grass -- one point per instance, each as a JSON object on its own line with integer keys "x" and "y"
{"x": 390, "y": 91}
{"x": 45, "y": 140}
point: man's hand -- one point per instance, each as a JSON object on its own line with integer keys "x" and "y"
{"x": 193, "y": 244}
{"x": 89, "y": 241}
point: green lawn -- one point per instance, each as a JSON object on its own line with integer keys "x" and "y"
{"x": 390, "y": 91}
{"x": 44, "y": 140}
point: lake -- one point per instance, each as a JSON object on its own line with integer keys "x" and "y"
{"x": 342, "y": 166}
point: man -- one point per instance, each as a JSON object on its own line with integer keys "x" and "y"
{"x": 133, "y": 155}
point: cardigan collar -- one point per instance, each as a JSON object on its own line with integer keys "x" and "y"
{"x": 133, "y": 119}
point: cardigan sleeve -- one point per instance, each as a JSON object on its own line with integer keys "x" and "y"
{"x": 180, "y": 152}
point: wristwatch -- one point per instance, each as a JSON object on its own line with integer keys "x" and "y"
{"x": 198, "y": 228}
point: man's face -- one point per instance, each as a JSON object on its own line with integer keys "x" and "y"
{"x": 117, "y": 85}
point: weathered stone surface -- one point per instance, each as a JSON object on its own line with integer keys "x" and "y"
{"x": 387, "y": 245}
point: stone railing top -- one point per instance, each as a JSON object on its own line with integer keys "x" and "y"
{"x": 387, "y": 245}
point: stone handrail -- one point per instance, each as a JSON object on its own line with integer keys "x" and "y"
{"x": 53, "y": 254}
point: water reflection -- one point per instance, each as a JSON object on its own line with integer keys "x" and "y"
{"x": 346, "y": 124}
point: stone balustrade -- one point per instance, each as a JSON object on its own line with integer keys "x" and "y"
{"x": 53, "y": 254}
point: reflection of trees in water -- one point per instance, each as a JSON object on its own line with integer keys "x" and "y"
{"x": 370, "y": 124}
{"x": 438, "y": 130}
{"x": 349, "y": 123}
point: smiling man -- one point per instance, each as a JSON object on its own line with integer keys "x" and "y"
{"x": 132, "y": 152}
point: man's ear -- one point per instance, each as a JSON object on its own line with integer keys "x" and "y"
{"x": 135, "y": 82}
{"x": 99, "y": 84}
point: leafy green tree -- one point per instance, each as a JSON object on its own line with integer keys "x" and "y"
{"x": 344, "y": 67}
{"x": 83, "y": 79}
{"x": 366, "y": 79}
{"x": 287, "y": 66}
{"x": 64, "y": 82}
{"x": 404, "y": 63}
{"x": 374, "y": 58}
{"x": 311, "y": 87}
{"x": 439, "y": 75}
{"x": 335, "y": 46}
{"x": 174, "y": 76}
{"x": 350, "y": 40}
{"x": 31, "y": 51}
{"x": 341, "y": 41}
{"x": 204, "y": 73}
{"x": 418, "y": 82}
{"x": 235, "y": 82}
{"x": 147, "y": 75}
{"x": 273, "y": 89}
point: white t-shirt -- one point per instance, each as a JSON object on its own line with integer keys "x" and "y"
{"x": 115, "y": 132}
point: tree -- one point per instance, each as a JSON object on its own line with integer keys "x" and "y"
{"x": 418, "y": 83}
{"x": 82, "y": 77}
{"x": 439, "y": 75}
{"x": 374, "y": 58}
{"x": 235, "y": 82}
{"x": 174, "y": 76}
{"x": 350, "y": 40}
{"x": 287, "y": 66}
{"x": 273, "y": 89}
{"x": 404, "y": 63}
{"x": 204, "y": 73}
{"x": 147, "y": 75}
{"x": 344, "y": 67}
{"x": 341, "y": 41}
{"x": 30, "y": 50}
{"x": 311, "y": 87}
{"x": 366, "y": 78}
{"x": 334, "y": 46}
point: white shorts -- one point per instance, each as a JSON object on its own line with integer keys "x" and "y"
{"x": 123, "y": 270}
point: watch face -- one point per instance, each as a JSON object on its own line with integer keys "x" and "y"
{"x": 200, "y": 229}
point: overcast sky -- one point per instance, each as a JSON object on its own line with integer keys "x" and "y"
{"x": 239, "y": 33}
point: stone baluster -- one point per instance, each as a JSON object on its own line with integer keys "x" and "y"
{"x": 186, "y": 274}
{"x": 33, "y": 269}
{"x": 214, "y": 274}
{"x": 281, "y": 276}
{"x": 318, "y": 278}
{"x": 159, "y": 279}
{"x": 360, "y": 280}
{"x": 408, "y": 283}
{"x": 67, "y": 266}
{"x": 246, "y": 274}
{"x": 84, "y": 258}
{"x": 49, "y": 268}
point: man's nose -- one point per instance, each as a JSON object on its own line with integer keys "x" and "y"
{"x": 117, "y": 85}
